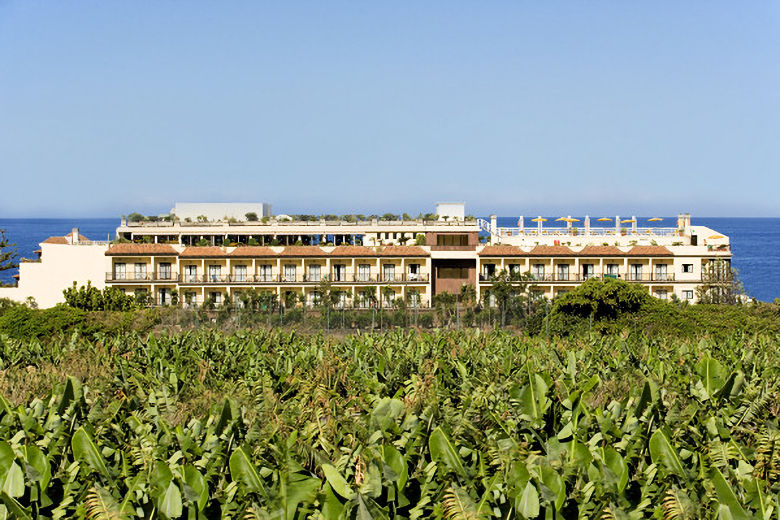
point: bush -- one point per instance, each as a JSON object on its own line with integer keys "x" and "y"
{"x": 603, "y": 299}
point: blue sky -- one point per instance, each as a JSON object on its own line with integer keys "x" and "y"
{"x": 514, "y": 107}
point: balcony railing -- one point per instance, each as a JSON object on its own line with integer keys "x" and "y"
{"x": 133, "y": 276}
{"x": 303, "y": 279}
{"x": 578, "y": 277}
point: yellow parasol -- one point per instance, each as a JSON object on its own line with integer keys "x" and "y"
{"x": 604, "y": 219}
{"x": 714, "y": 237}
{"x": 627, "y": 221}
{"x": 655, "y": 219}
{"x": 539, "y": 219}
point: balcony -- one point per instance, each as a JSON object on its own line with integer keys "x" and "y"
{"x": 142, "y": 277}
{"x": 223, "y": 279}
{"x": 577, "y": 277}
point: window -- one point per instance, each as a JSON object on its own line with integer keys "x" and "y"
{"x": 119, "y": 271}
{"x": 488, "y": 270}
{"x": 538, "y": 271}
{"x": 661, "y": 294}
{"x": 239, "y": 273}
{"x": 388, "y": 272}
{"x": 140, "y": 271}
{"x": 514, "y": 268}
{"x": 459, "y": 273}
{"x": 387, "y": 298}
{"x": 237, "y": 300}
{"x": 452, "y": 240}
{"x": 612, "y": 271}
{"x": 687, "y": 268}
{"x": 339, "y": 272}
{"x": 687, "y": 294}
{"x": 265, "y": 273}
{"x": 341, "y": 300}
{"x": 315, "y": 273}
{"x": 635, "y": 272}
{"x": 588, "y": 271}
{"x": 563, "y": 272}
{"x": 661, "y": 272}
{"x": 190, "y": 273}
{"x": 364, "y": 272}
{"x": 216, "y": 296}
{"x": 313, "y": 298}
{"x": 165, "y": 271}
{"x": 190, "y": 299}
{"x": 414, "y": 298}
{"x": 215, "y": 273}
{"x": 414, "y": 272}
{"x": 289, "y": 273}
{"x": 165, "y": 296}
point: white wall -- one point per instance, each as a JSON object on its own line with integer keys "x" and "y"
{"x": 452, "y": 210}
{"x": 60, "y": 266}
{"x": 218, "y": 211}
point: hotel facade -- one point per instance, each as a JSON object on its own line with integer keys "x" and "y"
{"x": 372, "y": 262}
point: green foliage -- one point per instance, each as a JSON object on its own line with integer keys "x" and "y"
{"x": 89, "y": 298}
{"x": 394, "y": 425}
{"x": 251, "y": 216}
{"x": 419, "y": 239}
{"x": 601, "y": 299}
{"x": 8, "y": 254}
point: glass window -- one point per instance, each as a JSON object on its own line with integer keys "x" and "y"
{"x": 165, "y": 296}
{"x": 538, "y": 271}
{"x": 119, "y": 271}
{"x": 687, "y": 268}
{"x": 688, "y": 295}
{"x": 140, "y": 271}
{"x": 388, "y": 272}
{"x": 190, "y": 273}
{"x": 315, "y": 273}
{"x": 215, "y": 273}
{"x": 289, "y": 273}
{"x": 563, "y": 272}
{"x": 414, "y": 272}
{"x": 364, "y": 272}
{"x": 588, "y": 271}
{"x": 239, "y": 273}
{"x": 661, "y": 294}
{"x": 636, "y": 272}
{"x": 339, "y": 273}
{"x": 488, "y": 270}
{"x": 612, "y": 270}
{"x": 265, "y": 273}
{"x": 661, "y": 272}
{"x": 165, "y": 270}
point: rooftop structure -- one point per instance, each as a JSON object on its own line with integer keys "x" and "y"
{"x": 216, "y": 211}
{"x": 409, "y": 259}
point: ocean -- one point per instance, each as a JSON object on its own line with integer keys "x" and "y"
{"x": 755, "y": 243}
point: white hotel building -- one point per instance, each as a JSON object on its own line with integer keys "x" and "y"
{"x": 217, "y": 258}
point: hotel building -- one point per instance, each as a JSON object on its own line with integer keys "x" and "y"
{"x": 371, "y": 261}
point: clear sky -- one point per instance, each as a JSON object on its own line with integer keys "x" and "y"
{"x": 515, "y": 107}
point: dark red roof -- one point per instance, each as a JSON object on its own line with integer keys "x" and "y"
{"x": 649, "y": 251}
{"x": 141, "y": 249}
{"x": 403, "y": 251}
{"x": 353, "y": 251}
{"x": 202, "y": 251}
{"x": 303, "y": 251}
{"x": 551, "y": 251}
{"x": 55, "y": 240}
{"x": 601, "y": 251}
{"x": 502, "y": 251}
{"x": 253, "y": 251}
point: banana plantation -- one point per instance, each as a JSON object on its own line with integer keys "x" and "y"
{"x": 400, "y": 424}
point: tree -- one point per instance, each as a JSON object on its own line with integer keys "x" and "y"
{"x": 510, "y": 291}
{"x": 603, "y": 299}
{"x": 721, "y": 284}
{"x": 420, "y": 239}
{"x": 251, "y": 216}
{"x": 135, "y": 217}
{"x": 8, "y": 253}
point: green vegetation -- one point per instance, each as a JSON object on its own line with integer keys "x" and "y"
{"x": 8, "y": 254}
{"x": 407, "y": 425}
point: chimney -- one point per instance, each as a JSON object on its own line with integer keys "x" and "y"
{"x": 493, "y": 225}
{"x": 74, "y": 236}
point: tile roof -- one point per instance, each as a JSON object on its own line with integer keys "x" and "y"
{"x": 303, "y": 251}
{"x": 502, "y": 251}
{"x": 55, "y": 240}
{"x": 551, "y": 251}
{"x": 600, "y": 251}
{"x": 141, "y": 249}
{"x": 649, "y": 251}
{"x": 403, "y": 251}
{"x": 252, "y": 251}
{"x": 202, "y": 251}
{"x": 353, "y": 251}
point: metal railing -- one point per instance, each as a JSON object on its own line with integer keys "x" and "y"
{"x": 133, "y": 276}
{"x": 581, "y": 277}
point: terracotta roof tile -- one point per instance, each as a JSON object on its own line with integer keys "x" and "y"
{"x": 252, "y": 251}
{"x": 649, "y": 251}
{"x": 353, "y": 251}
{"x": 141, "y": 249}
{"x": 202, "y": 251}
{"x": 55, "y": 240}
{"x": 303, "y": 251}
{"x": 403, "y": 251}
{"x": 551, "y": 251}
{"x": 601, "y": 251}
{"x": 502, "y": 251}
